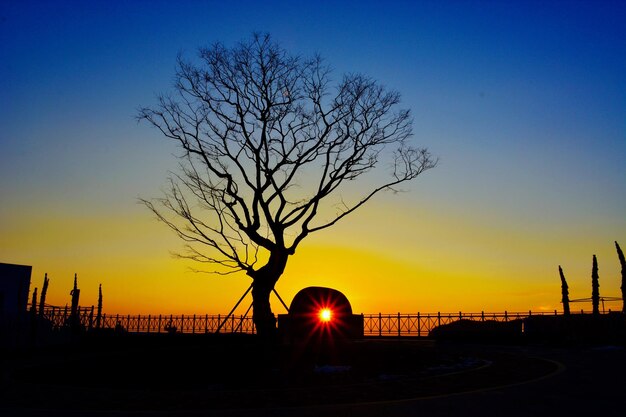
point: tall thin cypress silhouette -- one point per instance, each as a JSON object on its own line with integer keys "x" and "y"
{"x": 99, "y": 314}
{"x": 595, "y": 287}
{"x": 564, "y": 293}
{"x": 44, "y": 291}
{"x": 622, "y": 261}
{"x": 33, "y": 304}
{"x": 74, "y": 317}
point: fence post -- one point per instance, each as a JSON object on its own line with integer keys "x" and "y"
{"x": 91, "y": 319}
{"x": 193, "y": 326}
{"x": 419, "y": 325}
{"x": 364, "y": 326}
{"x": 380, "y": 324}
{"x": 482, "y": 315}
{"x": 219, "y": 320}
{"x": 438, "y": 318}
{"x": 206, "y": 323}
{"x": 399, "y": 326}
{"x": 460, "y": 316}
{"x": 149, "y": 317}
{"x": 159, "y": 327}
{"x": 506, "y": 316}
{"x": 182, "y": 323}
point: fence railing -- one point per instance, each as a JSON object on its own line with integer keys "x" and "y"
{"x": 380, "y": 324}
{"x": 60, "y": 316}
{"x": 193, "y": 323}
{"x": 420, "y": 324}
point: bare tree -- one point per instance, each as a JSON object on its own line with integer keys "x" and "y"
{"x": 268, "y": 150}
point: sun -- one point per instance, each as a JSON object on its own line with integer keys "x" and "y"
{"x": 326, "y": 314}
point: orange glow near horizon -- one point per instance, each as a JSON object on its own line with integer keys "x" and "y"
{"x": 427, "y": 260}
{"x": 450, "y": 266}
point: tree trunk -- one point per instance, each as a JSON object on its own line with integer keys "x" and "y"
{"x": 263, "y": 283}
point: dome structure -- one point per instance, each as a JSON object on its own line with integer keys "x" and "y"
{"x": 320, "y": 313}
{"x": 311, "y": 299}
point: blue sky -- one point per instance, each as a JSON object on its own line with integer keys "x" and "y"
{"x": 524, "y": 102}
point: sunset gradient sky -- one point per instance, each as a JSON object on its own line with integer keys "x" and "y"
{"x": 524, "y": 102}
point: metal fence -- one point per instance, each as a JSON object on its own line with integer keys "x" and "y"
{"x": 60, "y": 316}
{"x": 420, "y": 324}
{"x": 380, "y": 324}
{"x": 191, "y": 323}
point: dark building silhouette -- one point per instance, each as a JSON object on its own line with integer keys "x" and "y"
{"x": 14, "y": 289}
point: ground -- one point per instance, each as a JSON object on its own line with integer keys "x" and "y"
{"x": 196, "y": 376}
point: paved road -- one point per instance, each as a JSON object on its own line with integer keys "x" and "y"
{"x": 587, "y": 382}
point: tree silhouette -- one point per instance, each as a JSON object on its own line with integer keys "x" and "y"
{"x": 44, "y": 291}
{"x": 99, "y": 311}
{"x": 33, "y": 303}
{"x": 564, "y": 293}
{"x": 269, "y": 150}
{"x": 595, "y": 287}
{"x": 74, "y": 313}
{"x": 622, "y": 262}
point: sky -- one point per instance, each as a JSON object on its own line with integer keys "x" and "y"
{"x": 524, "y": 102}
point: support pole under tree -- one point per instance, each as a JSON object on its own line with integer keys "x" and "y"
{"x": 280, "y": 299}
{"x": 242, "y": 319}
{"x": 595, "y": 287}
{"x": 221, "y": 324}
{"x": 622, "y": 262}
{"x": 564, "y": 293}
